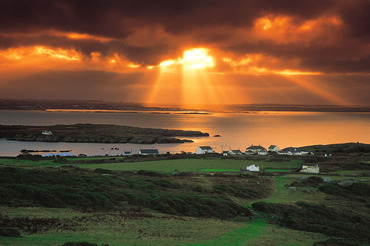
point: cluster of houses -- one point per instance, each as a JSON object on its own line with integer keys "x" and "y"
{"x": 251, "y": 150}
{"x": 254, "y": 150}
{"x": 305, "y": 168}
{"x": 142, "y": 152}
{"x": 259, "y": 150}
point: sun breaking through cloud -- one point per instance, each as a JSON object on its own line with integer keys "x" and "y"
{"x": 189, "y": 51}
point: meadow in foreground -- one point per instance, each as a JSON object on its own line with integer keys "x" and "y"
{"x": 104, "y": 205}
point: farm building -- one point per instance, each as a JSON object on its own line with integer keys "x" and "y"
{"x": 47, "y": 133}
{"x": 273, "y": 148}
{"x": 253, "y": 168}
{"x": 310, "y": 168}
{"x": 234, "y": 152}
{"x": 64, "y": 154}
{"x": 148, "y": 152}
{"x": 262, "y": 152}
{"x": 255, "y": 149}
{"x": 127, "y": 152}
{"x": 204, "y": 150}
{"x": 248, "y": 152}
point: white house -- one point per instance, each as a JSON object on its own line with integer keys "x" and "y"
{"x": 285, "y": 152}
{"x": 148, "y": 152}
{"x": 273, "y": 148}
{"x": 253, "y": 168}
{"x": 127, "y": 152}
{"x": 310, "y": 168}
{"x": 47, "y": 133}
{"x": 64, "y": 154}
{"x": 248, "y": 152}
{"x": 235, "y": 152}
{"x": 255, "y": 149}
{"x": 204, "y": 150}
{"x": 262, "y": 152}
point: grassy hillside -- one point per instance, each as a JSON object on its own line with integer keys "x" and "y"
{"x": 338, "y": 148}
{"x": 193, "y": 165}
{"x": 73, "y": 187}
{"x": 106, "y": 203}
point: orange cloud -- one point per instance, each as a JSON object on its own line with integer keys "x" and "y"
{"x": 43, "y": 57}
{"x": 285, "y": 29}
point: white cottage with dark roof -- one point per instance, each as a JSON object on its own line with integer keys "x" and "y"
{"x": 273, "y": 148}
{"x": 148, "y": 152}
{"x": 234, "y": 152}
{"x": 256, "y": 149}
{"x": 204, "y": 150}
{"x": 310, "y": 168}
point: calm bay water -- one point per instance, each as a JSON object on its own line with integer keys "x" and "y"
{"x": 237, "y": 130}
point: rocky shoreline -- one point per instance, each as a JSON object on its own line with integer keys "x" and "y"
{"x": 96, "y": 133}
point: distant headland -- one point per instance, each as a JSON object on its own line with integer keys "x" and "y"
{"x": 101, "y": 106}
{"x": 96, "y": 133}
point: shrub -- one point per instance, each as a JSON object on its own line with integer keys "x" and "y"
{"x": 316, "y": 218}
{"x": 9, "y": 232}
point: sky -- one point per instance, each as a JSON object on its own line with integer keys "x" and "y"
{"x": 187, "y": 52}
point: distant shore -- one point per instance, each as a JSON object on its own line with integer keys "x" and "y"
{"x": 95, "y": 133}
{"x": 101, "y": 106}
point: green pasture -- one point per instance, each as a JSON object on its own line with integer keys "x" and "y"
{"x": 352, "y": 172}
{"x": 160, "y": 229}
{"x": 24, "y": 163}
{"x": 102, "y": 227}
{"x": 281, "y": 194}
{"x": 218, "y": 170}
{"x": 88, "y": 158}
{"x": 192, "y": 165}
{"x": 278, "y": 170}
{"x": 259, "y": 232}
{"x": 109, "y": 227}
{"x": 180, "y": 165}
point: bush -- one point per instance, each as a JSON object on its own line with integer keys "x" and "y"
{"x": 316, "y": 218}
{"x": 82, "y": 244}
{"x": 9, "y": 232}
{"x": 35, "y": 187}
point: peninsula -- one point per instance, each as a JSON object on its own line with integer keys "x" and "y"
{"x": 96, "y": 133}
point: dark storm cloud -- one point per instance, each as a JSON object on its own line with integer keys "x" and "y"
{"x": 140, "y": 55}
{"x": 118, "y": 19}
{"x": 83, "y": 85}
{"x": 356, "y": 16}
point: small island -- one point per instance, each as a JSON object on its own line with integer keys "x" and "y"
{"x": 96, "y": 133}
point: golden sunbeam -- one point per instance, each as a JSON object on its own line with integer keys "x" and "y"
{"x": 316, "y": 87}
{"x": 192, "y": 59}
{"x": 197, "y": 58}
{"x": 165, "y": 89}
{"x": 194, "y": 82}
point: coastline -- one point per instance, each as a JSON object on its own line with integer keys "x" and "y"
{"x": 95, "y": 133}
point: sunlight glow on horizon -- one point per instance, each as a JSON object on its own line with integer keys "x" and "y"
{"x": 197, "y": 85}
{"x": 195, "y": 78}
{"x": 195, "y": 58}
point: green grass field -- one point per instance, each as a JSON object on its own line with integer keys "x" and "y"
{"x": 278, "y": 170}
{"x": 24, "y": 163}
{"x": 281, "y": 194}
{"x": 102, "y": 227}
{"x": 162, "y": 229}
{"x": 192, "y": 165}
{"x": 180, "y": 165}
{"x": 259, "y": 232}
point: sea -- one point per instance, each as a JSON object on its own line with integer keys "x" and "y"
{"x": 236, "y": 130}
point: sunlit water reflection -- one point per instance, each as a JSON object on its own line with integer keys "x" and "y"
{"x": 237, "y": 130}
